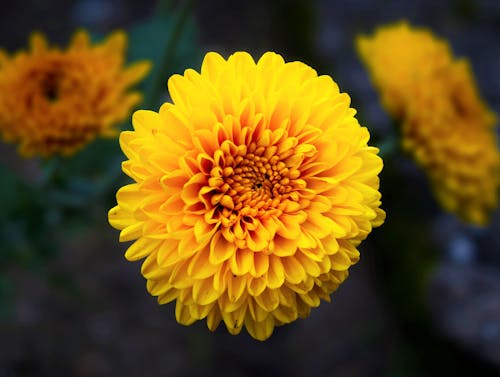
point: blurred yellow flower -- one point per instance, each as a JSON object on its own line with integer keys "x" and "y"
{"x": 445, "y": 125}
{"x": 54, "y": 101}
{"x": 449, "y": 131}
{"x": 252, "y": 192}
{"x": 399, "y": 58}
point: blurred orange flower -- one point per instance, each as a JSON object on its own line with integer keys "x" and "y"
{"x": 54, "y": 102}
{"x": 252, "y": 191}
{"x": 446, "y": 126}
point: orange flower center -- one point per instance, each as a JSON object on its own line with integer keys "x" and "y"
{"x": 252, "y": 181}
{"x": 50, "y": 86}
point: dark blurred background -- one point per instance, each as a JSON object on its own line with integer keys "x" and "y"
{"x": 423, "y": 301}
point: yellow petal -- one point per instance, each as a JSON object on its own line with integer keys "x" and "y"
{"x": 260, "y": 264}
{"x": 220, "y": 249}
{"x": 151, "y": 270}
{"x": 142, "y": 248}
{"x": 220, "y": 279}
{"x": 285, "y": 314}
{"x": 4, "y": 58}
{"x": 234, "y": 320}
{"x": 203, "y": 292}
{"x": 180, "y": 278}
{"x": 214, "y": 317}
{"x": 168, "y": 296}
{"x": 236, "y": 286}
{"x": 212, "y": 65}
{"x": 136, "y": 72}
{"x": 200, "y": 267}
{"x": 80, "y": 40}
{"x": 257, "y": 314}
{"x": 287, "y": 297}
{"x": 330, "y": 245}
{"x": 307, "y": 240}
{"x": 183, "y": 315}
{"x": 226, "y": 305}
{"x": 132, "y": 232}
{"x": 289, "y": 225}
{"x": 316, "y": 254}
{"x": 115, "y": 43}
{"x": 311, "y": 299}
{"x": 268, "y": 299}
{"x": 191, "y": 190}
{"x": 120, "y": 218}
{"x": 130, "y": 197}
{"x": 176, "y": 127}
{"x": 241, "y": 261}
{"x": 258, "y": 239}
{"x": 188, "y": 246}
{"x": 340, "y": 261}
{"x": 260, "y": 330}
{"x": 38, "y": 43}
{"x": 200, "y": 311}
{"x": 283, "y": 247}
{"x": 318, "y": 225}
{"x": 294, "y": 272}
{"x": 276, "y": 273}
{"x": 242, "y": 62}
{"x": 204, "y": 232}
{"x": 256, "y": 285}
{"x": 309, "y": 265}
{"x": 304, "y": 286}
{"x": 167, "y": 254}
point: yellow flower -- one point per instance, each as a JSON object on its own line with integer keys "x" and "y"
{"x": 54, "y": 102}
{"x": 399, "y": 58}
{"x": 252, "y": 191}
{"x": 449, "y": 131}
{"x": 446, "y": 126}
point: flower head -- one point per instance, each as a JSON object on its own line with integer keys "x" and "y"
{"x": 54, "y": 102}
{"x": 399, "y": 57}
{"x": 445, "y": 125}
{"x": 450, "y": 133}
{"x": 252, "y": 191}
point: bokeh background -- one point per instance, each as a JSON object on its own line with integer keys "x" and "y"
{"x": 423, "y": 301}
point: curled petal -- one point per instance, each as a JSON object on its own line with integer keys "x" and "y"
{"x": 220, "y": 249}
{"x": 241, "y": 262}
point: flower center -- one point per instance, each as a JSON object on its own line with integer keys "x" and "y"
{"x": 253, "y": 181}
{"x": 50, "y": 84}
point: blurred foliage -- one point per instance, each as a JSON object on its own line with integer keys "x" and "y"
{"x": 25, "y": 217}
{"x": 171, "y": 46}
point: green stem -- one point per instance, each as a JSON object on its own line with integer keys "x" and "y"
{"x": 175, "y": 36}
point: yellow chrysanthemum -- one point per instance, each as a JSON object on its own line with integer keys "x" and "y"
{"x": 252, "y": 191}
{"x": 399, "y": 58}
{"x": 450, "y": 133}
{"x": 446, "y": 126}
{"x": 54, "y": 102}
